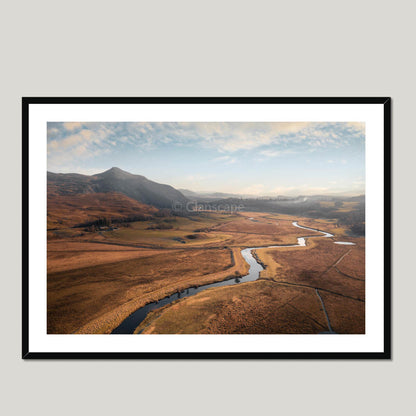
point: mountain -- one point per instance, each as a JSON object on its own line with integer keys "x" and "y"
{"x": 136, "y": 187}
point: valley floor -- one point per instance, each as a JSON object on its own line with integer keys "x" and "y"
{"x": 97, "y": 279}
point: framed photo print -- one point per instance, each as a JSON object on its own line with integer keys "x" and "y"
{"x": 206, "y": 228}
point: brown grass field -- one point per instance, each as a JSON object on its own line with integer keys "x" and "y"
{"x": 284, "y": 299}
{"x": 70, "y": 255}
{"x": 69, "y": 210}
{"x": 259, "y": 307}
{"x": 97, "y": 279}
{"x": 97, "y": 298}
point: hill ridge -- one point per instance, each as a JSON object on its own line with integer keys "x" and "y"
{"x": 134, "y": 186}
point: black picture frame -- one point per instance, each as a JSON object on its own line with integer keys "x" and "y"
{"x": 385, "y": 101}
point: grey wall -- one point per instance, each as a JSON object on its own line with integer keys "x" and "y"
{"x": 217, "y": 48}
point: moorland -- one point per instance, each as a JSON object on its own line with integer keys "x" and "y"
{"x": 115, "y": 244}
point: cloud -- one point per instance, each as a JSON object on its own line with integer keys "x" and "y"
{"x": 75, "y": 139}
{"x": 357, "y": 126}
{"x": 299, "y": 190}
{"x": 74, "y": 145}
{"x": 53, "y": 132}
{"x": 256, "y": 189}
{"x": 281, "y": 190}
{"x": 281, "y": 138}
{"x": 221, "y": 159}
{"x": 72, "y": 126}
{"x": 227, "y": 160}
{"x": 271, "y": 153}
{"x": 275, "y": 153}
{"x": 317, "y": 189}
{"x": 261, "y": 190}
{"x": 70, "y": 142}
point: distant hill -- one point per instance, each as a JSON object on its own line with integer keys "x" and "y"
{"x": 136, "y": 187}
{"x": 188, "y": 193}
{"x": 75, "y": 209}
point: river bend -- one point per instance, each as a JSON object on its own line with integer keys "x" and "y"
{"x": 129, "y": 325}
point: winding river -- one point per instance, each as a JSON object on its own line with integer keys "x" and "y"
{"x": 129, "y": 325}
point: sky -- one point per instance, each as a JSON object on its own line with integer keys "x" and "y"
{"x": 259, "y": 159}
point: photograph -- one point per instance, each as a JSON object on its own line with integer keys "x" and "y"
{"x": 207, "y": 228}
{"x": 211, "y": 196}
